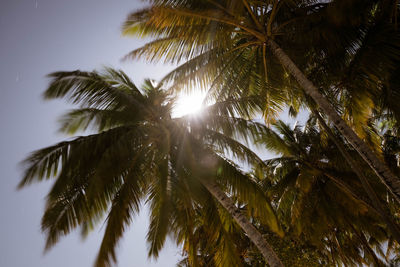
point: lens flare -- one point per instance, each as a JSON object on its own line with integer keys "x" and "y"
{"x": 188, "y": 103}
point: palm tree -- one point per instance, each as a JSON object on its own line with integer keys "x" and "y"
{"x": 226, "y": 41}
{"x": 319, "y": 198}
{"x": 139, "y": 152}
{"x": 221, "y": 232}
{"x": 376, "y": 202}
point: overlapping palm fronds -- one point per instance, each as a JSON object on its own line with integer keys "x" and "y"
{"x": 320, "y": 199}
{"x": 139, "y": 153}
{"x": 274, "y": 48}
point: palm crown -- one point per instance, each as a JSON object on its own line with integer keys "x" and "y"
{"x": 320, "y": 199}
{"x": 273, "y": 48}
{"x": 138, "y": 152}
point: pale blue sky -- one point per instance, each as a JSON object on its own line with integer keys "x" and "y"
{"x": 36, "y": 38}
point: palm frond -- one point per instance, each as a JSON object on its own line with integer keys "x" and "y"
{"x": 94, "y": 90}
{"x": 160, "y": 205}
{"x": 125, "y": 204}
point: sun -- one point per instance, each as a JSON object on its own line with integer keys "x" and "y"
{"x": 188, "y": 103}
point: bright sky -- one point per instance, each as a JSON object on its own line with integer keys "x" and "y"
{"x": 188, "y": 103}
{"x": 36, "y": 38}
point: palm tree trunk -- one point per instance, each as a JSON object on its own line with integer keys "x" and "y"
{"x": 377, "y": 204}
{"x": 386, "y": 176}
{"x": 254, "y": 235}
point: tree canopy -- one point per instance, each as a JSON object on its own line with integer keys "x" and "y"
{"x": 331, "y": 195}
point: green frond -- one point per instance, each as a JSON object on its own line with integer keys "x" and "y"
{"x": 96, "y": 119}
{"x": 275, "y": 143}
{"x": 46, "y": 163}
{"x": 160, "y": 206}
{"x": 223, "y": 144}
{"x": 236, "y": 128}
{"x": 65, "y": 214}
{"x": 95, "y": 160}
{"x": 244, "y": 107}
{"x": 43, "y": 163}
{"x": 94, "y": 90}
{"x": 198, "y": 72}
{"x": 248, "y": 191}
{"x": 125, "y": 205}
{"x": 226, "y": 253}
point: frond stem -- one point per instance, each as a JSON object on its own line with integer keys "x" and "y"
{"x": 246, "y": 4}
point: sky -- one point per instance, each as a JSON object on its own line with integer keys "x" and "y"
{"x": 37, "y": 38}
